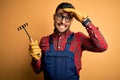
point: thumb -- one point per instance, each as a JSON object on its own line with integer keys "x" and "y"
{"x": 36, "y": 42}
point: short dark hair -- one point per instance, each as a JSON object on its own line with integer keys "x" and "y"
{"x": 64, "y": 5}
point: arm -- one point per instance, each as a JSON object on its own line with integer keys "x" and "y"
{"x": 36, "y": 66}
{"x": 95, "y": 42}
{"x": 35, "y": 53}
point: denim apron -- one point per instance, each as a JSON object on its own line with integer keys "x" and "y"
{"x": 59, "y": 65}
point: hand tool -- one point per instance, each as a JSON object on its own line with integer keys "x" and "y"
{"x": 24, "y": 27}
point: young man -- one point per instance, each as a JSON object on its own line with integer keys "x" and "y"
{"x": 60, "y": 57}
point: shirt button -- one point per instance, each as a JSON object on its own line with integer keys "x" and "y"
{"x": 58, "y": 47}
{"x": 60, "y": 38}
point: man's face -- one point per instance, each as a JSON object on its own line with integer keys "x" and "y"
{"x": 62, "y": 20}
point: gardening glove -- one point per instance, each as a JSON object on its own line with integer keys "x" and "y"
{"x": 76, "y": 14}
{"x": 34, "y": 50}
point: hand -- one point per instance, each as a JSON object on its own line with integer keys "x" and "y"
{"x": 76, "y": 14}
{"x": 34, "y": 50}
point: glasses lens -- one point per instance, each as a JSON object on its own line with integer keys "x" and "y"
{"x": 59, "y": 17}
{"x": 68, "y": 18}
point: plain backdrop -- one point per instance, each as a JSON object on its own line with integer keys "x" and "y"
{"x": 14, "y": 57}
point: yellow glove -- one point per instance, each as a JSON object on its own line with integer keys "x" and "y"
{"x": 34, "y": 50}
{"x": 76, "y": 14}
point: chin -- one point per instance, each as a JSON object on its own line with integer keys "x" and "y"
{"x": 61, "y": 31}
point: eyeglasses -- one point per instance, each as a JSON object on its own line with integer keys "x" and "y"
{"x": 60, "y": 17}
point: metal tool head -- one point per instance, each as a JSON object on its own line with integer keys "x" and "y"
{"x": 22, "y": 26}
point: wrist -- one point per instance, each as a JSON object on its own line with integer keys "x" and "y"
{"x": 85, "y": 22}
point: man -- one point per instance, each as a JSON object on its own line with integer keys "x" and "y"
{"x": 60, "y": 57}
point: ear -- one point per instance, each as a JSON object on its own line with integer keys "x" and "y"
{"x": 72, "y": 20}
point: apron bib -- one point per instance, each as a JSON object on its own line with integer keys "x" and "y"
{"x": 59, "y": 65}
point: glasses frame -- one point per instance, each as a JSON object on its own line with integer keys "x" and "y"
{"x": 60, "y": 17}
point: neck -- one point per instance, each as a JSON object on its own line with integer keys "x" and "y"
{"x": 60, "y": 33}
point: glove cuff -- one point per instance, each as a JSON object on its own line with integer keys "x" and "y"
{"x": 85, "y": 22}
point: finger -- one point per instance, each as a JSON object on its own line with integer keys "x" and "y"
{"x": 35, "y": 47}
{"x": 35, "y": 50}
{"x": 34, "y": 43}
{"x": 36, "y": 55}
{"x": 69, "y": 10}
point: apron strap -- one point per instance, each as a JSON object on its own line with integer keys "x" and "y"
{"x": 51, "y": 43}
{"x": 70, "y": 38}
{"x": 69, "y": 41}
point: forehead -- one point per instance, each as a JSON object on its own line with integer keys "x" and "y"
{"x": 62, "y": 12}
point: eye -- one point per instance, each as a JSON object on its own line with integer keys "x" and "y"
{"x": 67, "y": 18}
{"x": 59, "y": 16}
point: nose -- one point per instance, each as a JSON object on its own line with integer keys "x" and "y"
{"x": 63, "y": 20}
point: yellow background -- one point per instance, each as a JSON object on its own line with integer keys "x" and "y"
{"x": 14, "y": 58}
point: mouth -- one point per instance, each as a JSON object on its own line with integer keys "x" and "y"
{"x": 62, "y": 25}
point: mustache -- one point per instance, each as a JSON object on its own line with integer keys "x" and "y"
{"x": 62, "y": 24}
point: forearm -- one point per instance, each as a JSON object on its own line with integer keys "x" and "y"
{"x": 95, "y": 35}
{"x": 36, "y": 65}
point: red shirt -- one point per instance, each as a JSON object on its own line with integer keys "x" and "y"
{"x": 95, "y": 42}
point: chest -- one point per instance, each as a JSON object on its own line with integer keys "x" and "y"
{"x": 59, "y": 44}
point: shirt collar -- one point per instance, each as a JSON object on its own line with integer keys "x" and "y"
{"x": 64, "y": 34}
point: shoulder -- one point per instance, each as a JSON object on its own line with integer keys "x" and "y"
{"x": 44, "y": 42}
{"x": 79, "y": 34}
{"x": 44, "y": 39}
